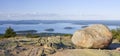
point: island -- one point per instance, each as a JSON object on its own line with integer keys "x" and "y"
{"x": 50, "y": 29}
{"x": 68, "y": 27}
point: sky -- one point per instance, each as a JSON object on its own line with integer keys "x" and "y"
{"x": 59, "y": 9}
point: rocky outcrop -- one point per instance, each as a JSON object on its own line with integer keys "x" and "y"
{"x": 118, "y": 49}
{"x": 86, "y": 52}
{"x": 94, "y": 36}
{"x": 2, "y": 53}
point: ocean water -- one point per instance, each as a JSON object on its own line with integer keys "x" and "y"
{"x": 57, "y": 25}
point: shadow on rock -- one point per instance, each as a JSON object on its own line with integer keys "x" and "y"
{"x": 114, "y": 46}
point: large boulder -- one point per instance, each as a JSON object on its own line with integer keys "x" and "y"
{"x": 94, "y": 36}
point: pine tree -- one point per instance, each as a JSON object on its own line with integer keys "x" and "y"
{"x": 9, "y": 33}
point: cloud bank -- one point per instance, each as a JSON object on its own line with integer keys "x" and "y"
{"x": 54, "y": 16}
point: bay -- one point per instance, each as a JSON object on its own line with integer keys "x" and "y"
{"x": 58, "y": 26}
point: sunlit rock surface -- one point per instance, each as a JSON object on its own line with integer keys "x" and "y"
{"x": 94, "y": 36}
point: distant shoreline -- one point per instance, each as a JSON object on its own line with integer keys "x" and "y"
{"x": 107, "y": 22}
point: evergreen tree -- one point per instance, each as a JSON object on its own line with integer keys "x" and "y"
{"x": 9, "y": 33}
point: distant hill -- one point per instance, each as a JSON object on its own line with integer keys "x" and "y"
{"x": 81, "y": 22}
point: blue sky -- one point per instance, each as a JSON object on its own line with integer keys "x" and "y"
{"x": 59, "y": 9}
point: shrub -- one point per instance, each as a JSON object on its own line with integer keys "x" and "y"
{"x": 1, "y": 37}
{"x": 116, "y": 33}
{"x": 67, "y": 34}
{"x": 9, "y": 33}
{"x": 29, "y": 35}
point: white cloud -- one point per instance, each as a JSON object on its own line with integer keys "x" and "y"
{"x": 54, "y": 16}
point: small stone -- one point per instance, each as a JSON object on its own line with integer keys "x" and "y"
{"x": 118, "y": 49}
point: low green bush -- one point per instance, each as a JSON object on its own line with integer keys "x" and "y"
{"x": 116, "y": 33}
{"x": 67, "y": 34}
{"x": 29, "y": 35}
{"x": 1, "y": 37}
